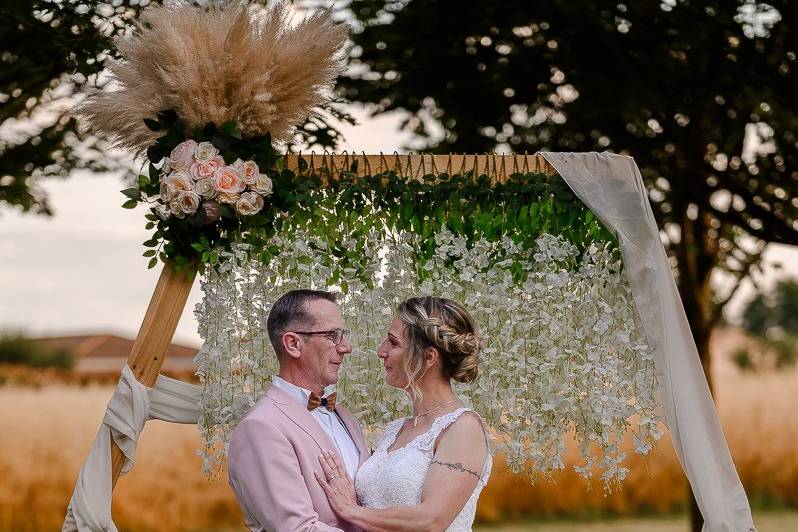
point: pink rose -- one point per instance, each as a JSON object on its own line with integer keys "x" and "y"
{"x": 182, "y": 156}
{"x": 248, "y": 170}
{"x": 202, "y": 169}
{"x": 227, "y": 180}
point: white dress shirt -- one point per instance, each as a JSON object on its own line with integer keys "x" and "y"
{"x": 329, "y": 421}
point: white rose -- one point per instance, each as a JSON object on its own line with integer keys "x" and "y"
{"x": 249, "y": 204}
{"x": 225, "y": 197}
{"x": 163, "y": 211}
{"x": 263, "y": 185}
{"x": 178, "y": 182}
{"x": 205, "y": 151}
{"x": 204, "y": 188}
{"x": 174, "y": 206}
{"x": 248, "y": 170}
{"x": 182, "y": 156}
{"x": 189, "y": 202}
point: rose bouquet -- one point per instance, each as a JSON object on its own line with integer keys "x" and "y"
{"x": 198, "y": 177}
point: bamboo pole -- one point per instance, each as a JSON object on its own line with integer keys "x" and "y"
{"x": 155, "y": 336}
{"x": 500, "y": 167}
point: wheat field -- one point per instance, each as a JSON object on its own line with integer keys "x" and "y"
{"x": 46, "y": 433}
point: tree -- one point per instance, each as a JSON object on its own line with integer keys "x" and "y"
{"x": 776, "y": 313}
{"x": 53, "y": 50}
{"x": 772, "y": 318}
{"x": 684, "y": 87}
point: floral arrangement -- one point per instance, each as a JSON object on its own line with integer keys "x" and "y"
{"x": 204, "y": 92}
{"x": 565, "y": 354}
{"x": 199, "y": 177}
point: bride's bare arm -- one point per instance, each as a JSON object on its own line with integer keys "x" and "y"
{"x": 455, "y": 470}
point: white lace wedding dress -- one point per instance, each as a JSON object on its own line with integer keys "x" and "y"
{"x": 396, "y": 478}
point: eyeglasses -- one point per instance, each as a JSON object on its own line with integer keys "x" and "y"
{"x": 336, "y": 335}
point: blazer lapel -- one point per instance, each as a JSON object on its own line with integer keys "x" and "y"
{"x": 301, "y": 417}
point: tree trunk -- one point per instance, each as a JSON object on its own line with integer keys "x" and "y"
{"x": 697, "y": 254}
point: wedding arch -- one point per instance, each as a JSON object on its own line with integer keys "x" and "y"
{"x": 557, "y": 255}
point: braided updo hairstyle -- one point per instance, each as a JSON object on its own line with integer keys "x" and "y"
{"x": 446, "y": 325}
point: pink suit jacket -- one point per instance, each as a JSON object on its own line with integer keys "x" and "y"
{"x": 272, "y": 456}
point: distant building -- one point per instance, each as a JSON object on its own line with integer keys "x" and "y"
{"x": 105, "y": 354}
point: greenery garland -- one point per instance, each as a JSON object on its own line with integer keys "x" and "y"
{"x": 344, "y": 206}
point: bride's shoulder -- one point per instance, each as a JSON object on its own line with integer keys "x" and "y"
{"x": 467, "y": 430}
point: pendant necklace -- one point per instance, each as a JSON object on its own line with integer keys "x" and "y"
{"x": 415, "y": 418}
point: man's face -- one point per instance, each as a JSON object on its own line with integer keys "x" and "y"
{"x": 321, "y": 357}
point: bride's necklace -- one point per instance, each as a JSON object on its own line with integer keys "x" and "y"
{"x": 415, "y": 418}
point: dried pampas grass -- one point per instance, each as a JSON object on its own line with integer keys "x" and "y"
{"x": 237, "y": 63}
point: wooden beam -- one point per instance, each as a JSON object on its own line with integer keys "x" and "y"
{"x": 415, "y": 166}
{"x": 155, "y": 336}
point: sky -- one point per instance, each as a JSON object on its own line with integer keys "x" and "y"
{"x": 82, "y": 271}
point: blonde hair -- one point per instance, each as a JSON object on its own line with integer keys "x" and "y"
{"x": 445, "y": 325}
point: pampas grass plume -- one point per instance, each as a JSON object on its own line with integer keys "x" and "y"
{"x": 238, "y": 62}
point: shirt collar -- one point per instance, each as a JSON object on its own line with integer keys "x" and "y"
{"x": 297, "y": 393}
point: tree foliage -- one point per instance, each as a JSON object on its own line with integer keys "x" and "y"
{"x": 774, "y": 313}
{"x": 772, "y": 318}
{"x": 50, "y": 50}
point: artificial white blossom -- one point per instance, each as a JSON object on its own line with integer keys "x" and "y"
{"x": 564, "y": 352}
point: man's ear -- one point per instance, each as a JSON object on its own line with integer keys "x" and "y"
{"x": 431, "y": 357}
{"x": 292, "y": 344}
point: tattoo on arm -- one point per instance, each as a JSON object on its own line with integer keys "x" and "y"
{"x": 455, "y": 467}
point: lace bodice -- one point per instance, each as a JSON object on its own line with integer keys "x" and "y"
{"x": 396, "y": 478}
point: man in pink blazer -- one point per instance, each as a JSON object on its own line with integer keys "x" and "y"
{"x": 274, "y": 450}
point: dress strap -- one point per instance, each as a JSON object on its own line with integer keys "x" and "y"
{"x": 389, "y": 436}
{"x": 427, "y": 440}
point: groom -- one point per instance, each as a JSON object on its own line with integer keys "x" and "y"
{"x": 275, "y": 449}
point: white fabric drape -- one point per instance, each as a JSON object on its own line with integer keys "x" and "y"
{"x": 611, "y": 187}
{"x": 129, "y": 408}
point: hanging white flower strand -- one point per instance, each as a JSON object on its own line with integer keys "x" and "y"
{"x": 564, "y": 350}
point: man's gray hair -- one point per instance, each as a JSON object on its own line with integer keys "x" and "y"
{"x": 291, "y": 310}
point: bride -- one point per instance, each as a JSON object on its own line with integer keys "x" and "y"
{"x": 428, "y": 469}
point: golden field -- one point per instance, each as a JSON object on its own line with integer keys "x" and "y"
{"x": 46, "y": 433}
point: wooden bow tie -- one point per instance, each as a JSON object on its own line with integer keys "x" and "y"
{"x": 315, "y": 401}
